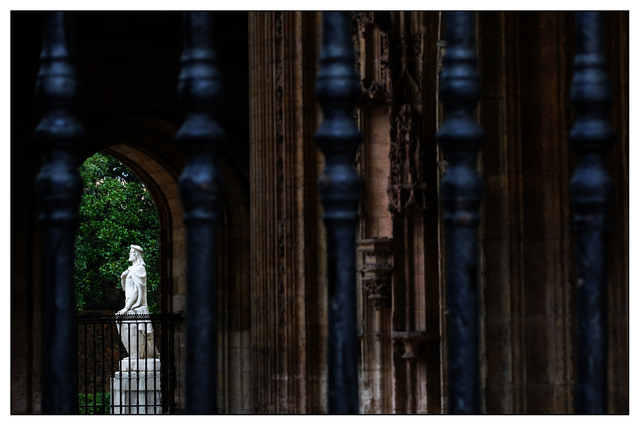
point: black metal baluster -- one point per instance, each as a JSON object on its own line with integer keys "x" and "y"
{"x": 155, "y": 328}
{"x": 95, "y": 369}
{"x": 59, "y": 189}
{"x": 86, "y": 371}
{"x": 591, "y": 191}
{"x": 104, "y": 374}
{"x": 137, "y": 364}
{"x": 337, "y": 90}
{"x": 200, "y": 91}
{"x": 128, "y": 400}
{"x": 78, "y": 366}
{"x": 164, "y": 330}
{"x": 112, "y": 398}
{"x": 170, "y": 368}
{"x": 146, "y": 371}
{"x": 460, "y": 137}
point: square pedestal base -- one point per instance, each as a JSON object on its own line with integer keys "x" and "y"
{"x": 136, "y": 393}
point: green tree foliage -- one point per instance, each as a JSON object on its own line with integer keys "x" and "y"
{"x": 99, "y": 403}
{"x": 116, "y": 211}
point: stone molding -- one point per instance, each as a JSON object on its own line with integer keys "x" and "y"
{"x": 377, "y": 270}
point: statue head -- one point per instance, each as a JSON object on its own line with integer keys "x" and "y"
{"x": 135, "y": 255}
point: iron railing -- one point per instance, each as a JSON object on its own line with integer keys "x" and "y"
{"x": 460, "y": 137}
{"x": 591, "y": 191}
{"x": 200, "y": 92}
{"x": 109, "y": 382}
{"x": 59, "y": 187}
{"x": 337, "y": 90}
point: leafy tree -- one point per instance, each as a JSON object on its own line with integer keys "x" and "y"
{"x": 102, "y": 403}
{"x": 116, "y": 211}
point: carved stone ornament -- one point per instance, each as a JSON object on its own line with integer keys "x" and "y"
{"x": 360, "y": 20}
{"x": 411, "y": 341}
{"x": 377, "y": 270}
{"x": 377, "y": 87}
{"x": 406, "y": 89}
{"x": 407, "y": 189}
{"x": 418, "y": 50}
{"x": 379, "y": 291}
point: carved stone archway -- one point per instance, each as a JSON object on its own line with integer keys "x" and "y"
{"x": 147, "y": 147}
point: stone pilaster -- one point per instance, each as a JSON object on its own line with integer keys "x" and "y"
{"x": 370, "y": 32}
{"x": 288, "y": 293}
{"x": 395, "y": 164}
{"x": 413, "y": 203}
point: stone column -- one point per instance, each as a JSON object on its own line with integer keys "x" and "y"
{"x": 396, "y": 53}
{"x": 375, "y": 244}
{"x": 287, "y": 260}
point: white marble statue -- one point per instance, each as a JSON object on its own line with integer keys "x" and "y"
{"x": 136, "y": 334}
{"x": 135, "y": 389}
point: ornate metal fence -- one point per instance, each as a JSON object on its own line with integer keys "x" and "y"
{"x": 337, "y": 90}
{"x": 59, "y": 189}
{"x": 461, "y": 190}
{"x": 109, "y": 382}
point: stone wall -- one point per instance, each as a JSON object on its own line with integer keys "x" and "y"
{"x": 287, "y": 244}
{"x": 526, "y": 66}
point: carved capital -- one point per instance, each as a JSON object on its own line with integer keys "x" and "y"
{"x": 377, "y": 270}
{"x": 379, "y": 292}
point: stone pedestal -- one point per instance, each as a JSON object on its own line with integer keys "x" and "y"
{"x": 136, "y": 392}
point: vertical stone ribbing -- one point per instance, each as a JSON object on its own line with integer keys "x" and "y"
{"x": 591, "y": 191}
{"x": 282, "y": 165}
{"x": 500, "y": 231}
{"x": 200, "y": 91}
{"x": 263, "y": 204}
{"x": 337, "y": 90}
{"x": 616, "y": 29}
{"x": 287, "y": 325}
{"x": 59, "y": 189}
{"x": 460, "y": 137}
{"x": 315, "y": 289}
